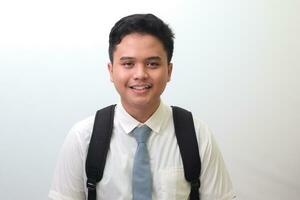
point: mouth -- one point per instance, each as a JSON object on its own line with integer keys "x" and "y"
{"x": 141, "y": 87}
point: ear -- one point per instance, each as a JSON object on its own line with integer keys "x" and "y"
{"x": 110, "y": 70}
{"x": 170, "y": 68}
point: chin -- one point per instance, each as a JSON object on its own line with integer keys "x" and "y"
{"x": 141, "y": 104}
{"x": 147, "y": 104}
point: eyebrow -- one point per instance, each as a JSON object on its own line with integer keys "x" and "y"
{"x": 127, "y": 58}
{"x": 154, "y": 58}
{"x": 132, "y": 58}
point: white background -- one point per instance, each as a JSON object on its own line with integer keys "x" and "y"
{"x": 236, "y": 66}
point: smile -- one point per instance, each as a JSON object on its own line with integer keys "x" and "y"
{"x": 141, "y": 87}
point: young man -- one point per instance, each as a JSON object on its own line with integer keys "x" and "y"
{"x": 140, "y": 50}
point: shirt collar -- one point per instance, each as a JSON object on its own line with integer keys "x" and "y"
{"x": 155, "y": 122}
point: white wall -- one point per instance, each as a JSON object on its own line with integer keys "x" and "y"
{"x": 237, "y": 60}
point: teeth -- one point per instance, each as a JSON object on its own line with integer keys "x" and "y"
{"x": 140, "y": 87}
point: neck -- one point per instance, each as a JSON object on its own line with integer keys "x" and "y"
{"x": 141, "y": 113}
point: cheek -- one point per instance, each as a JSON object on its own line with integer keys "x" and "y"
{"x": 120, "y": 78}
{"x": 163, "y": 77}
{"x": 162, "y": 81}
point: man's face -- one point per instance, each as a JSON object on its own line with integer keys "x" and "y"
{"x": 140, "y": 71}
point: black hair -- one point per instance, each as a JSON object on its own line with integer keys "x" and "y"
{"x": 144, "y": 24}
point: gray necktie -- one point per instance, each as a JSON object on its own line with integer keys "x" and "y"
{"x": 141, "y": 175}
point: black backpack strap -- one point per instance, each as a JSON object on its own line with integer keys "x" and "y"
{"x": 98, "y": 148}
{"x": 188, "y": 146}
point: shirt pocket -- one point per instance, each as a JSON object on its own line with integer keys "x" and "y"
{"x": 173, "y": 184}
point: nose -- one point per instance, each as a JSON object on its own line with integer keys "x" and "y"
{"x": 140, "y": 72}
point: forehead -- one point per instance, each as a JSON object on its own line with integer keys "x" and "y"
{"x": 140, "y": 45}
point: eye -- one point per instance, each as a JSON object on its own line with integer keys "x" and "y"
{"x": 153, "y": 65}
{"x": 128, "y": 64}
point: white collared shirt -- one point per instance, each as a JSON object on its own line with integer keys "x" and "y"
{"x": 166, "y": 165}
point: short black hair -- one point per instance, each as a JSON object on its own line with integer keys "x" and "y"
{"x": 144, "y": 24}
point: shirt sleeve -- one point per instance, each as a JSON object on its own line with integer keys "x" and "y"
{"x": 215, "y": 180}
{"x": 68, "y": 181}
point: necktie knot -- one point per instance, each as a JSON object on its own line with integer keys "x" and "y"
{"x": 141, "y": 134}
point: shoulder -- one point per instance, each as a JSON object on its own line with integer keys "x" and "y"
{"x": 202, "y": 129}
{"x": 85, "y": 125}
{"x": 203, "y": 132}
{"x": 205, "y": 137}
{"x": 80, "y": 132}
